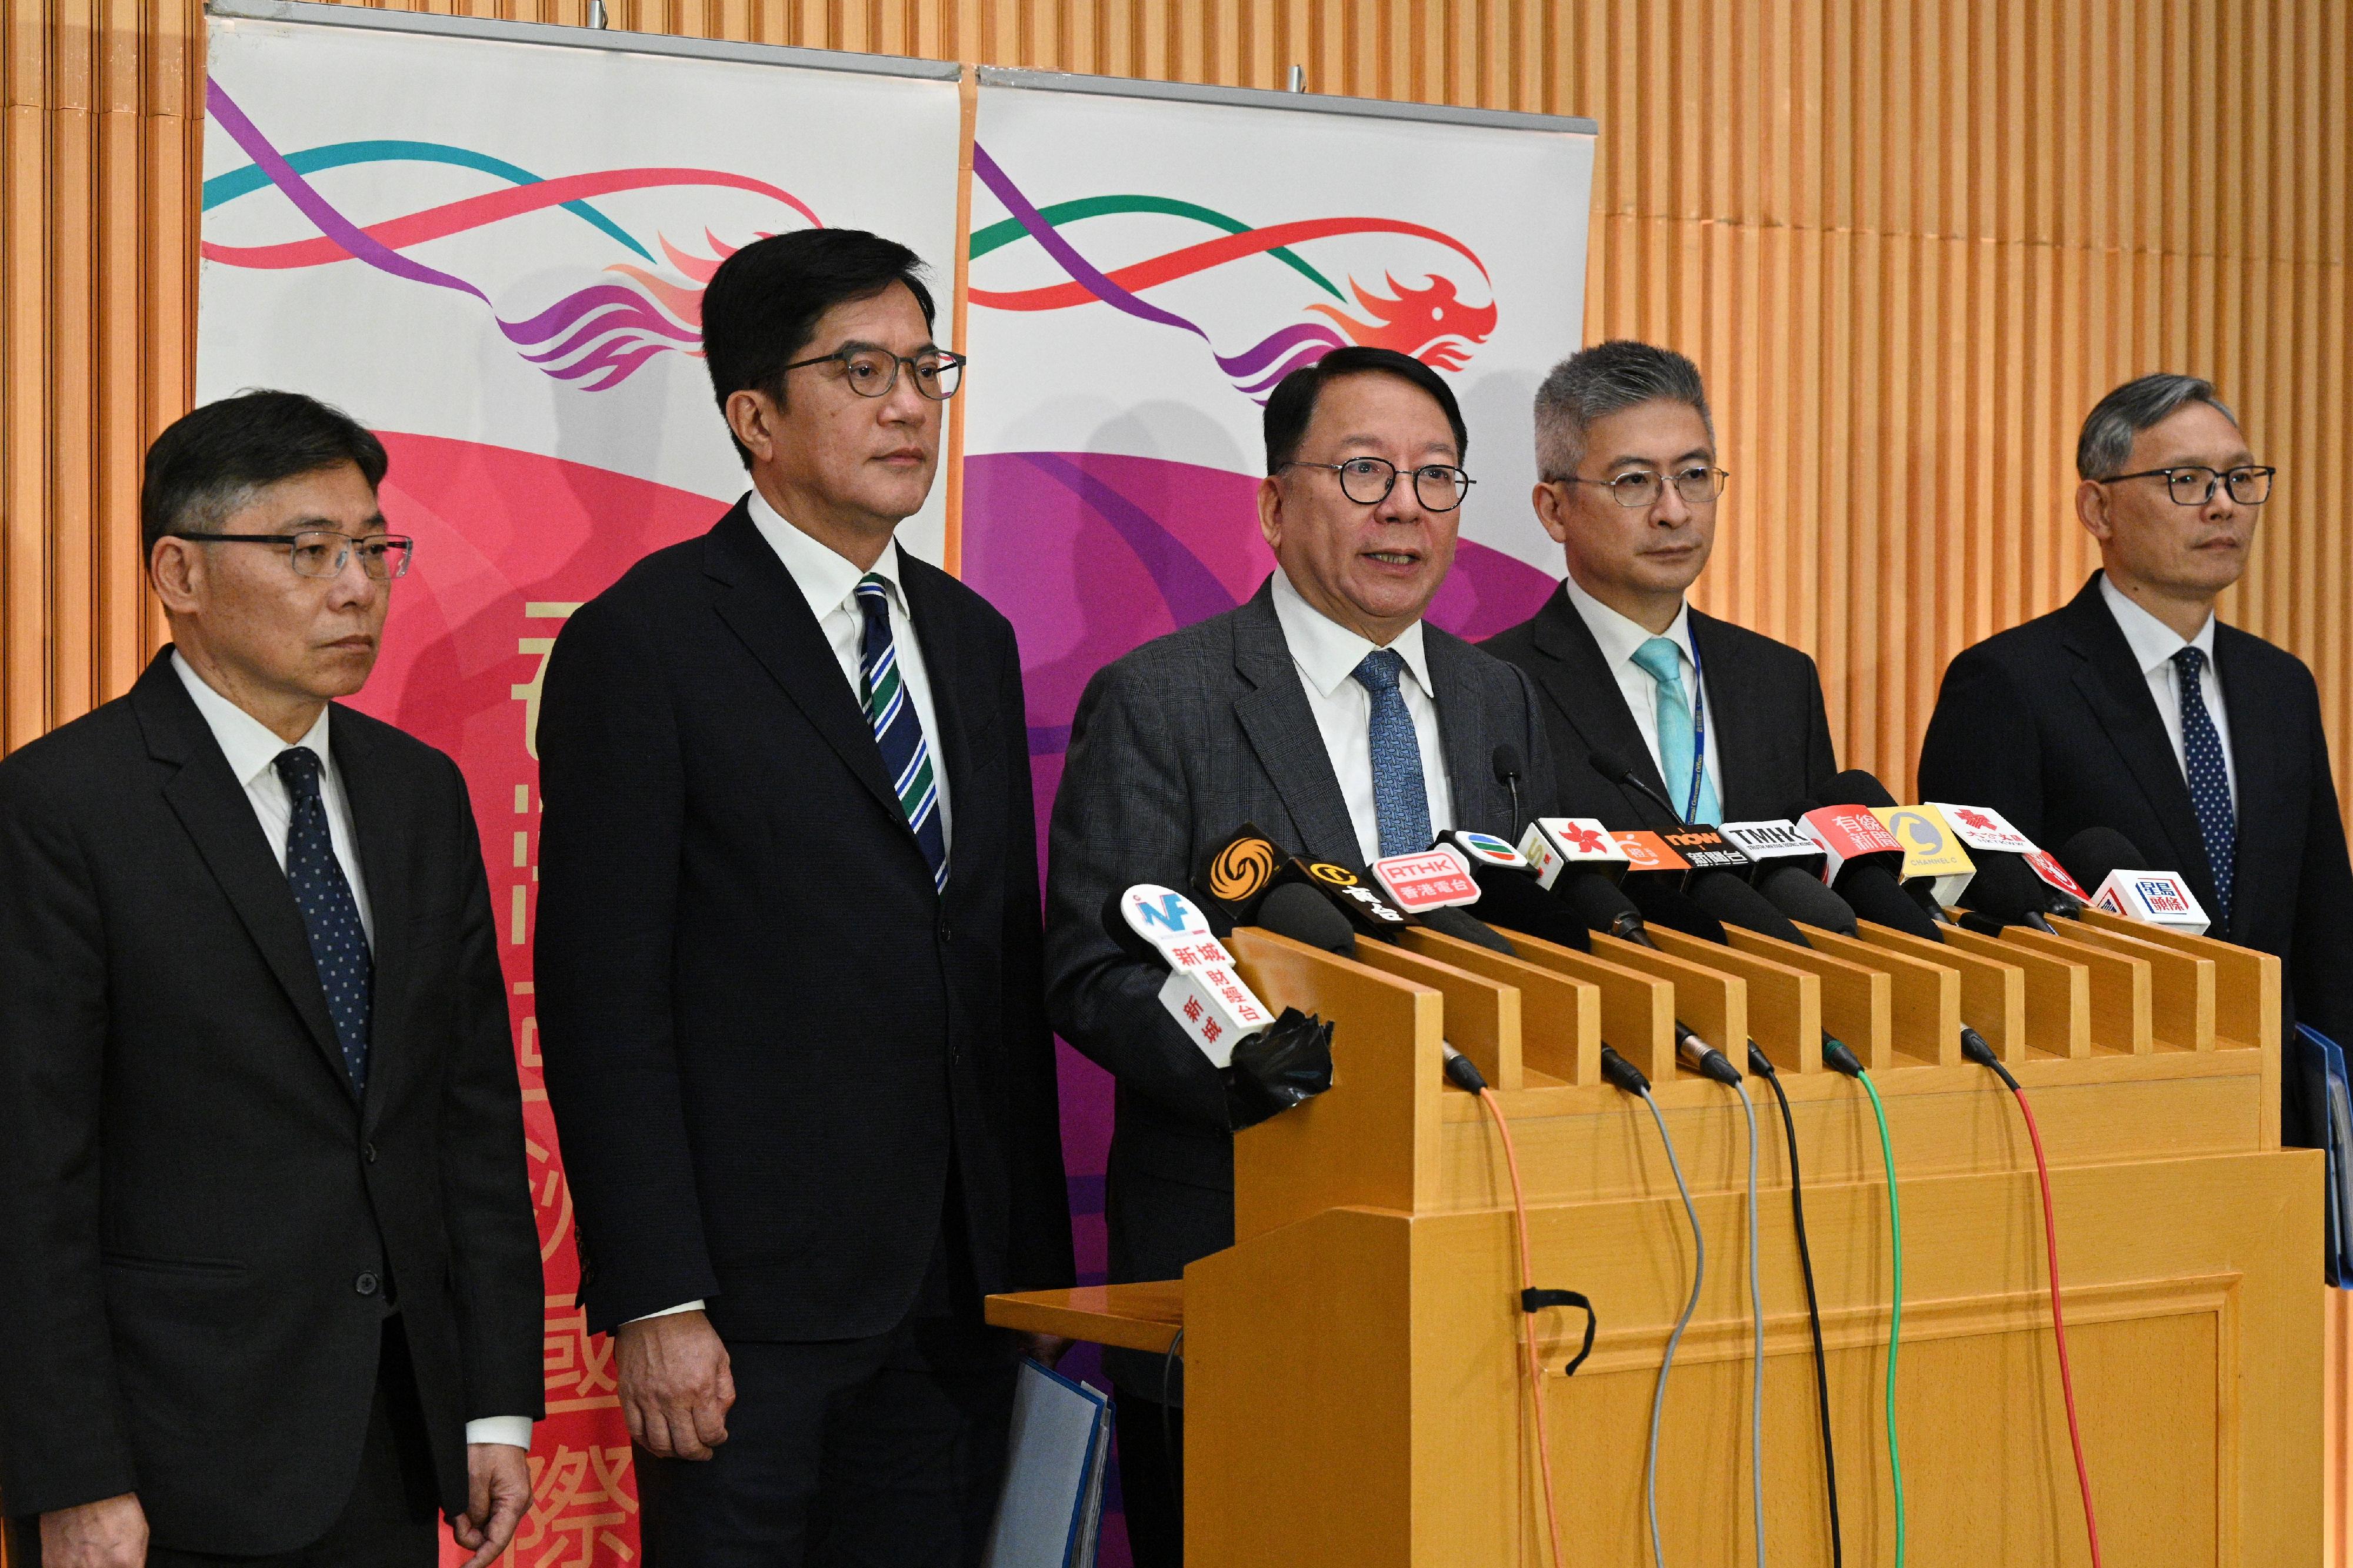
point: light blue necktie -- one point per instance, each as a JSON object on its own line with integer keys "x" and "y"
{"x": 1663, "y": 662}
{"x": 2209, "y": 782}
{"x": 1400, "y": 799}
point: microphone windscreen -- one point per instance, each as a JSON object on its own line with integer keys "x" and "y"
{"x": 2005, "y": 890}
{"x": 1115, "y": 926}
{"x": 2097, "y": 853}
{"x": 1462, "y": 924}
{"x": 1506, "y": 763}
{"x": 1735, "y": 903}
{"x": 1303, "y": 914}
{"x": 1609, "y": 765}
{"x": 1662, "y": 906}
{"x": 1873, "y": 893}
{"x": 1857, "y": 787}
{"x": 1800, "y": 895}
{"x": 1596, "y": 900}
{"x": 1512, "y": 899}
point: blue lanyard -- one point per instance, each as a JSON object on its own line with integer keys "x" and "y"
{"x": 1699, "y": 732}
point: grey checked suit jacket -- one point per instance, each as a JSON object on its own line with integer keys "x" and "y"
{"x": 1174, "y": 747}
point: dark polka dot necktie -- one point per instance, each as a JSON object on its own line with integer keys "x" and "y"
{"x": 338, "y": 943}
{"x": 2209, "y": 782}
{"x": 1400, "y": 795}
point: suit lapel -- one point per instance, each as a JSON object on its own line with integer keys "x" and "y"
{"x": 948, "y": 665}
{"x": 212, "y": 808}
{"x": 387, "y": 856}
{"x": 2113, "y": 687}
{"x": 1583, "y": 686}
{"x": 1282, "y": 730}
{"x": 2255, "y": 757}
{"x": 1733, "y": 712}
{"x": 761, "y": 603}
{"x": 1460, "y": 729}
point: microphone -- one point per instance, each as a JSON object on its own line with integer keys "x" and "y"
{"x": 1235, "y": 875}
{"x": 2017, "y": 883}
{"x": 2104, "y": 860}
{"x": 1618, "y": 770}
{"x": 1435, "y": 884}
{"x": 1506, "y": 763}
{"x": 1509, "y": 894}
{"x": 1806, "y": 899}
{"x": 1861, "y": 858}
{"x": 1202, "y": 993}
{"x": 1860, "y": 787}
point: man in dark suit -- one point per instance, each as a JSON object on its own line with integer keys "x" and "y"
{"x": 269, "y": 1285}
{"x": 1323, "y": 710}
{"x": 1726, "y": 725}
{"x": 789, "y": 965}
{"x": 2134, "y": 707}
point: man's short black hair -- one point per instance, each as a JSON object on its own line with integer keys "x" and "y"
{"x": 762, "y": 306}
{"x": 209, "y": 462}
{"x": 1293, "y": 405}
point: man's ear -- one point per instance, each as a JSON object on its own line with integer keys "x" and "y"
{"x": 2092, "y": 509}
{"x": 754, "y": 417}
{"x": 1550, "y": 512}
{"x": 1270, "y": 512}
{"x": 176, "y": 570}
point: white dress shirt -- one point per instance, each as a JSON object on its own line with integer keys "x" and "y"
{"x": 1620, "y": 638}
{"x": 2154, "y": 643}
{"x": 252, "y": 749}
{"x": 1326, "y": 654}
{"x": 829, "y": 581}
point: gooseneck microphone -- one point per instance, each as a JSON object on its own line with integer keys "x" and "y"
{"x": 1506, "y": 763}
{"x": 1618, "y": 770}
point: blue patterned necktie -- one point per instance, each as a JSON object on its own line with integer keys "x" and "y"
{"x": 1662, "y": 661}
{"x": 338, "y": 941}
{"x": 906, "y": 759}
{"x": 1401, "y": 798}
{"x": 2209, "y": 782}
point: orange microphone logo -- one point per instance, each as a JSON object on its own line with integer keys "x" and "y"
{"x": 1241, "y": 869}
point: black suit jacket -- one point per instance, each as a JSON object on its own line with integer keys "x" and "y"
{"x": 202, "y": 1229}
{"x": 2052, "y": 724}
{"x": 1173, "y": 748}
{"x": 767, "y": 1036}
{"x": 1764, "y": 708}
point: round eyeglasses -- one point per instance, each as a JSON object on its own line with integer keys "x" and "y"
{"x": 872, "y": 372}
{"x": 1698, "y": 485}
{"x": 324, "y": 552}
{"x": 2195, "y": 486}
{"x": 1439, "y": 487}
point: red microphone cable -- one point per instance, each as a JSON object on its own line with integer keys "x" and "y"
{"x": 1983, "y": 1055}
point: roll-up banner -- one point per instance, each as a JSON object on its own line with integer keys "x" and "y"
{"x": 488, "y": 242}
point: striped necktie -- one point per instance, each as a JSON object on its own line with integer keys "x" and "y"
{"x": 906, "y": 758}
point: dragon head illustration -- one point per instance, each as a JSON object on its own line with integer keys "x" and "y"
{"x": 1432, "y": 323}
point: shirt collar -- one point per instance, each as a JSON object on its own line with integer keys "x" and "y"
{"x": 1327, "y": 653}
{"x": 2153, "y": 642}
{"x": 826, "y": 578}
{"x": 250, "y": 745}
{"x": 1621, "y": 638}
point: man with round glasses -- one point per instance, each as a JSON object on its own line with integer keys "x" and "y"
{"x": 789, "y": 984}
{"x": 2133, "y": 707}
{"x": 270, "y": 1279}
{"x": 1327, "y": 713}
{"x": 1726, "y": 725}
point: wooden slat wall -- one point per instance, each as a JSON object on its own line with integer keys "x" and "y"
{"x": 1909, "y": 243}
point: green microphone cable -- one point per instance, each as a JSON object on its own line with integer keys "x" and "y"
{"x": 1895, "y": 1323}
{"x": 1757, "y": 1320}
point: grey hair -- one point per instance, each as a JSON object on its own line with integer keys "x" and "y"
{"x": 1608, "y": 378}
{"x": 2107, "y": 443}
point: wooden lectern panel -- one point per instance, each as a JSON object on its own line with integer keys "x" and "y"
{"x": 1785, "y": 1005}
{"x": 2058, "y": 993}
{"x": 2181, "y": 985}
{"x": 1560, "y": 1018}
{"x": 1482, "y": 1015}
{"x": 1993, "y": 993}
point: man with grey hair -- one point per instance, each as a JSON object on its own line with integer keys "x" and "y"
{"x": 2133, "y": 708}
{"x": 1725, "y": 723}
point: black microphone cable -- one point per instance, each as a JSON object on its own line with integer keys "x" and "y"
{"x": 1762, "y": 1066}
{"x": 1626, "y": 1075}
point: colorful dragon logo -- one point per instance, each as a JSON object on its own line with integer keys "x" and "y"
{"x": 595, "y": 337}
{"x": 1430, "y": 320}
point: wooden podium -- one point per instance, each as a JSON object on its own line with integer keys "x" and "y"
{"x": 1357, "y": 1396}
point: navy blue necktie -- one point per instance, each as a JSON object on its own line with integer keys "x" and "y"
{"x": 1401, "y": 798}
{"x": 898, "y": 732}
{"x": 338, "y": 941}
{"x": 2209, "y": 782}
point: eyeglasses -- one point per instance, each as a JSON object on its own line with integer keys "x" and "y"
{"x": 1368, "y": 481}
{"x": 873, "y": 373}
{"x": 2195, "y": 486}
{"x": 324, "y": 552}
{"x": 1697, "y": 485}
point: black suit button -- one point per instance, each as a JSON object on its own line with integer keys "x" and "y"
{"x": 369, "y": 1149}
{"x": 365, "y": 1284}
{"x": 947, "y": 931}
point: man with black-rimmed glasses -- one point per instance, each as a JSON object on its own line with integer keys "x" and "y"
{"x": 269, "y": 1282}
{"x": 2134, "y": 707}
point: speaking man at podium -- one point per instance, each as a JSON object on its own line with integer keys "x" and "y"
{"x": 2133, "y": 707}
{"x": 1324, "y": 711}
{"x": 789, "y": 987}
{"x": 1727, "y": 724}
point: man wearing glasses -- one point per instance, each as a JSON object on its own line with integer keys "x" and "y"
{"x": 1324, "y": 711}
{"x": 2134, "y": 707}
{"x": 787, "y": 969}
{"x": 1726, "y": 725}
{"x": 269, "y": 1282}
